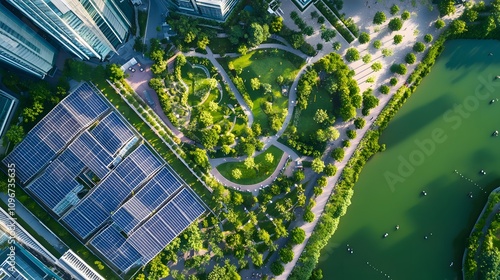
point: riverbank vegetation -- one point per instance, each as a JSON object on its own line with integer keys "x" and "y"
{"x": 482, "y": 257}
{"x": 341, "y": 198}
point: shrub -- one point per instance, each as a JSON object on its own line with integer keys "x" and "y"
{"x": 319, "y": 46}
{"x": 321, "y": 20}
{"x": 410, "y": 58}
{"x": 387, "y": 52}
{"x": 364, "y": 38}
{"x": 394, "y": 9}
{"x": 439, "y": 24}
{"x": 338, "y": 154}
{"x": 379, "y": 18}
{"x": 419, "y": 47}
{"x": 393, "y": 81}
{"x": 337, "y": 46}
{"x": 398, "y": 39}
{"x": 359, "y": 123}
{"x": 405, "y": 15}
{"x": 351, "y": 134}
{"x": 377, "y": 44}
{"x": 297, "y": 236}
{"x": 352, "y": 54}
{"x": 277, "y": 268}
{"x": 377, "y": 66}
{"x": 428, "y": 38}
{"x": 385, "y": 89}
{"x": 346, "y": 144}
{"x": 367, "y": 58}
{"x": 395, "y": 24}
{"x": 308, "y": 216}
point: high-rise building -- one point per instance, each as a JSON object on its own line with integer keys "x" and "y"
{"x": 21, "y": 47}
{"x": 87, "y": 28}
{"x": 212, "y": 9}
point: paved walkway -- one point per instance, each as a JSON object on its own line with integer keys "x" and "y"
{"x": 363, "y": 18}
{"x": 36, "y": 225}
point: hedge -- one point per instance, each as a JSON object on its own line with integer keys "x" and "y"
{"x": 334, "y": 21}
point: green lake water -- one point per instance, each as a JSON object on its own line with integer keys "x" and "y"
{"x": 446, "y": 125}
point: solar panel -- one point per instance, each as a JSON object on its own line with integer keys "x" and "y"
{"x": 90, "y": 152}
{"x": 150, "y": 238}
{"x": 85, "y": 104}
{"x": 112, "y": 133}
{"x": 54, "y": 185}
{"x": 111, "y": 244}
{"x": 115, "y": 188}
{"x": 150, "y": 197}
{"x": 56, "y": 130}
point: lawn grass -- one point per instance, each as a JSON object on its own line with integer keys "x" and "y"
{"x": 252, "y": 176}
{"x": 319, "y": 99}
{"x": 267, "y": 65}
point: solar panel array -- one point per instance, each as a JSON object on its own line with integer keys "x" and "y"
{"x": 151, "y": 237}
{"x": 114, "y": 246}
{"x": 55, "y": 131}
{"x": 112, "y": 133}
{"x": 150, "y": 197}
{"x": 112, "y": 191}
{"x": 141, "y": 196}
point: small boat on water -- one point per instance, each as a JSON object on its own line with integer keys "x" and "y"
{"x": 495, "y": 133}
{"x": 424, "y": 193}
{"x": 386, "y": 234}
{"x": 397, "y": 227}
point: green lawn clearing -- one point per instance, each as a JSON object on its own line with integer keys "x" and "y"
{"x": 252, "y": 176}
{"x": 306, "y": 126}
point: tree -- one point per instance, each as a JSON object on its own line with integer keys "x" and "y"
{"x": 327, "y": 34}
{"x": 286, "y": 254}
{"x": 377, "y": 66}
{"x": 297, "y": 41}
{"x": 277, "y": 268}
{"x": 398, "y": 39}
{"x": 266, "y": 87}
{"x": 205, "y": 119}
{"x": 320, "y": 116}
{"x": 308, "y": 30}
{"x": 338, "y": 154}
{"x": 377, "y": 44}
{"x": 269, "y": 158}
{"x": 264, "y": 236}
{"x": 276, "y": 24}
{"x": 115, "y": 73}
{"x": 297, "y": 236}
{"x": 201, "y": 158}
{"x": 236, "y": 173}
{"x": 439, "y": 24}
{"x": 446, "y": 7}
{"x": 399, "y": 69}
{"x": 308, "y": 216}
{"x": 193, "y": 237}
{"x": 257, "y": 34}
{"x": 394, "y": 9}
{"x": 405, "y": 15}
{"x": 203, "y": 41}
{"x": 351, "y": 134}
{"x": 379, "y": 18}
{"x": 419, "y": 47}
{"x": 314, "y": 14}
{"x": 490, "y": 24}
{"x": 395, "y": 24}
{"x": 255, "y": 83}
{"x": 280, "y": 80}
{"x": 249, "y": 163}
{"x": 471, "y": 15}
{"x": 393, "y": 81}
{"x": 280, "y": 230}
{"x": 209, "y": 138}
{"x": 180, "y": 60}
{"x": 410, "y": 58}
{"x": 317, "y": 274}
{"x": 364, "y": 38}
{"x": 15, "y": 134}
{"x": 227, "y": 272}
{"x": 428, "y": 38}
{"x": 317, "y": 165}
{"x": 332, "y": 133}
{"x": 30, "y": 114}
{"x": 359, "y": 123}
{"x": 385, "y": 89}
{"x": 367, "y": 58}
{"x": 458, "y": 26}
{"x": 352, "y": 54}
{"x": 330, "y": 170}
{"x": 242, "y": 49}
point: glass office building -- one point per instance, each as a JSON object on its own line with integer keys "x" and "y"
{"x": 212, "y": 9}
{"x": 87, "y": 28}
{"x": 22, "y": 48}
